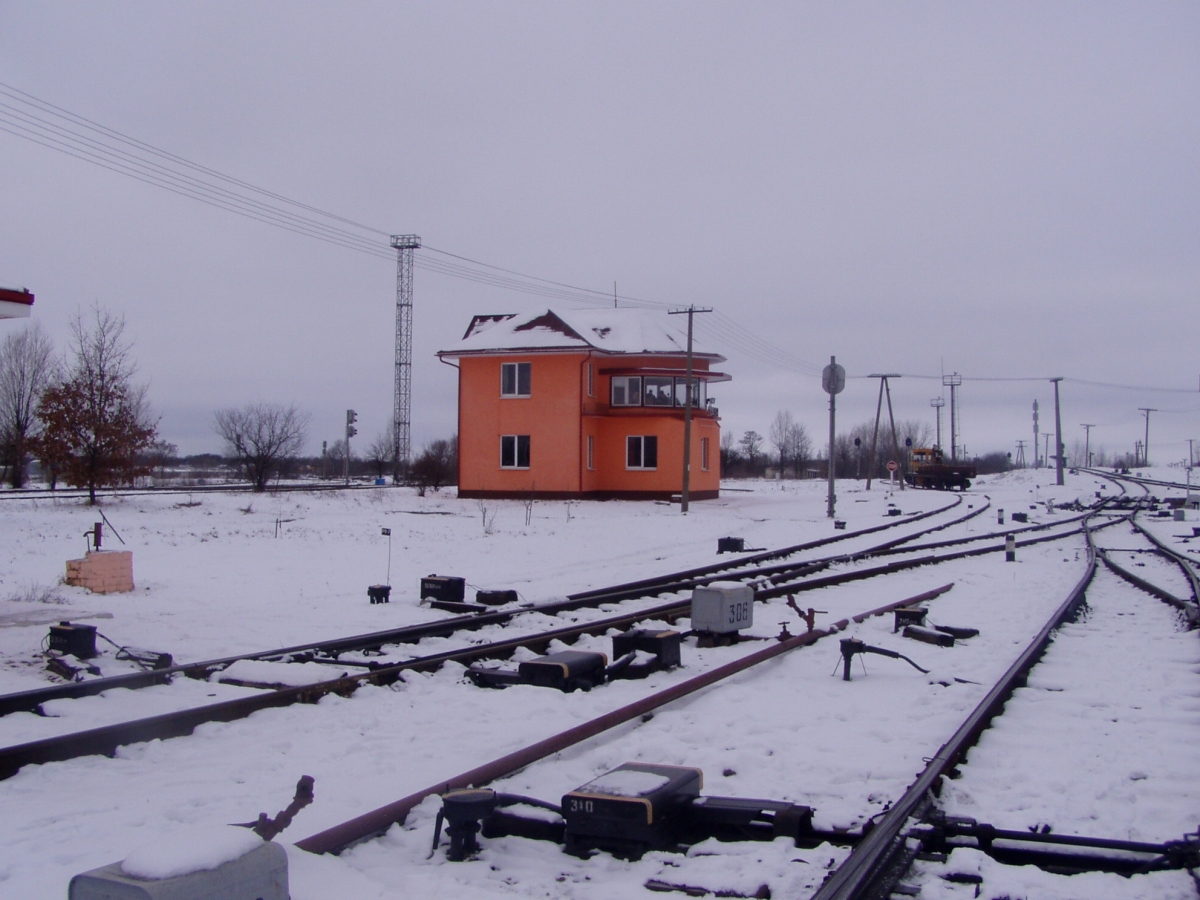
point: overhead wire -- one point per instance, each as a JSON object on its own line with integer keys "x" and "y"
{"x": 51, "y": 126}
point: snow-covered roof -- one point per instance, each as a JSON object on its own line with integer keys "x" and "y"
{"x": 626, "y": 331}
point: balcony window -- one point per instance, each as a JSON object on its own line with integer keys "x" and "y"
{"x": 627, "y": 390}
{"x": 699, "y": 392}
{"x": 658, "y": 391}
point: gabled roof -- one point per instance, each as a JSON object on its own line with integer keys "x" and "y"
{"x": 624, "y": 331}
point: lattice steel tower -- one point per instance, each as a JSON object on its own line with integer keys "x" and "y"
{"x": 405, "y": 244}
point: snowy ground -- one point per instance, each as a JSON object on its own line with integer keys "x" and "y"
{"x": 213, "y": 579}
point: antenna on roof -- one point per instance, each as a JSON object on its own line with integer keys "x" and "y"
{"x": 614, "y": 295}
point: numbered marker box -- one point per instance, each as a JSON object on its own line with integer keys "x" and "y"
{"x": 722, "y": 607}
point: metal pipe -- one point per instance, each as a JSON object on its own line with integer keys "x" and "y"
{"x": 377, "y": 821}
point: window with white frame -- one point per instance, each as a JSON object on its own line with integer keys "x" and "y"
{"x": 698, "y": 392}
{"x": 627, "y": 390}
{"x": 658, "y": 391}
{"x": 591, "y": 451}
{"x": 641, "y": 451}
{"x": 704, "y": 454}
{"x": 515, "y": 379}
{"x": 514, "y": 451}
{"x": 591, "y": 381}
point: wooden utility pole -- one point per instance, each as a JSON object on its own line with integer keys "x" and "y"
{"x": 1058, "y": 442}
{"x": 1146, "y": 443}
{"x": 687, "y": 403}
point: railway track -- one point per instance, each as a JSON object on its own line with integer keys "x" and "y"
{"x": 770, "y": 582}
{"x": 914, "y": 843}
{"x": 775, "y": 576}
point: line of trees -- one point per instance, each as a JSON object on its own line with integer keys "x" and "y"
{"x": 84, "y": 417}
{"x": 790, "y": 451}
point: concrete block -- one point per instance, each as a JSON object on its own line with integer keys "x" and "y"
{"x": 262, "y": 874}
{"x": 102, "y": 571}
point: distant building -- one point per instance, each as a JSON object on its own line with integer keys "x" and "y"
{"x": 15, "y": 303}
{"x": 582, "y": 403}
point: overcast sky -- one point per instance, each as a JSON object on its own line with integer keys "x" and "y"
{"x": 1003, "y": 190}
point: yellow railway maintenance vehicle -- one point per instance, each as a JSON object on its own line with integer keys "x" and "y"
{"x": 929, "y": 469}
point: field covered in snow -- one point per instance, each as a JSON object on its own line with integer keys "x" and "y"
{"x": 221, "y": 574}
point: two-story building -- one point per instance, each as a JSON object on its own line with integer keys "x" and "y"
{"x": 582, "y": 403}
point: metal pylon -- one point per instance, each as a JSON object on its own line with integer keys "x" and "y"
{"x": 404, "y": 244}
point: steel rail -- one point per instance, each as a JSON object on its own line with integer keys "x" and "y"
{"x": 862, "y": 874}
{"x": 1181, "y": 561}
{"x": 1188, "y": 608}
{"x": 106, "y": 739}
{"x": 30, "y": 700}
{"x": 377, "y": 821}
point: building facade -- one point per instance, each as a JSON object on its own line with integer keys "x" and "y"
{"x": 582, "y": 403}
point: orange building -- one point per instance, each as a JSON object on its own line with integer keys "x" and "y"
{"x": 583, "y": 403}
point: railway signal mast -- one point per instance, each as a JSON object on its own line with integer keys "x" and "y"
{"x": 404, "y": 244}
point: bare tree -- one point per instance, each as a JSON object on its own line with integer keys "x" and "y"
{"x": 791, "y": 441}
{"x": 436, "y": 465}
{"x": 27, "y": 368}
{"x": 381, "y": 453}
{"x": 96, "y": 422}
{"x": 751, "y": 444}
{"x": 262, "y": 437}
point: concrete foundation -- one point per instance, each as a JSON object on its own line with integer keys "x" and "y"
{"x": 102, "y": 571}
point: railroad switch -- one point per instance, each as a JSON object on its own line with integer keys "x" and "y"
{"x": 809, "y": 616}
{"x": 852, "y": 647}
{"x": 72, "y": 639}
{"x": 1063, "y": 853}
{"x": 664, "y": 645}
{"x": 638, "y": 653}
{"x": 908, "y": 615}
{"x": 446, "y": 588}
{"x": 731, "y": 545}
{"x": 495, "y": 598}
{"x": 628, "y": 811}
{"x": 567, "y": 671}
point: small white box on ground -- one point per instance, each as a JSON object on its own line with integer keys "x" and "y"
{"x": 261, "y": 874}
{"x": 722, "y": 607}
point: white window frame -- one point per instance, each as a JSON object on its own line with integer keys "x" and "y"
{"x": 641, "y": 440}
{"x": 591, "y": 381}
{"x": 623, "y": 382}
{"x": 516, "y": 368}
{"x": 516, "y": 451}
{"x": 660, "y": 383}
{"x": 591, "y": 452}
{"x": 704, "y": 454}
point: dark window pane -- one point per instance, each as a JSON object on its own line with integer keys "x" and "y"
{"x": 522, "y": 451}
{"x": 658, "y": 391}
{"x": 618, "y": 392}
{"x": 650, "y": 452}
{"x": 635, "y": 391}
{"x": 524, "y": 376}
{"x": 508, "y": 451}
{"x": 508, "y": 379}
{"x": 633, "y": 452}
